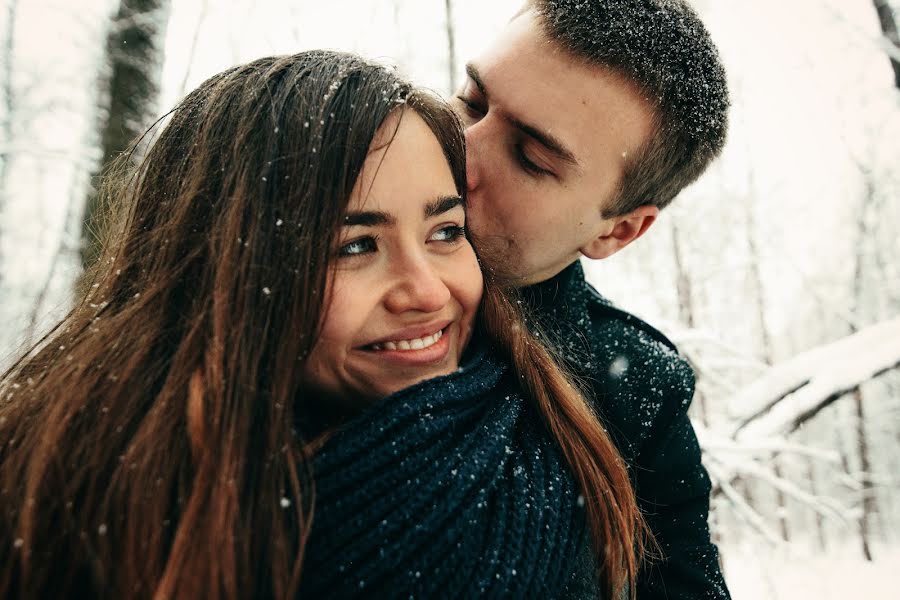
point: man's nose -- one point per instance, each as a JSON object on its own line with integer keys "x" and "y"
{"x": 473, "y": 156}
{"x": 418, "y": 287}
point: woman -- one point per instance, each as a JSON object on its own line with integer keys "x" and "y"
{"x": 286, "y": 376}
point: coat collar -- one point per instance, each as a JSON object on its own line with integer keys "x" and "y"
{"x": 556, "y": 293}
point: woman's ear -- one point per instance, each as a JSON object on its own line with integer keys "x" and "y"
{"x": 620, "y": 231}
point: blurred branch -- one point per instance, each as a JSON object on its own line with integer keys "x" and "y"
{"x": 718, "y": 446}
{"x": 727, "y": 470}
{"x": 889, "y": 29}
{"x": 822, "y": 505}
{"x": 742, "y": 508}
{"x": 190, "y": 57}
{"x": 793, "y": 391}
{"x": 889, "y": 44}
{"x": 9, "y": 43}
{"x": 700, "y": 337}
{"x": 67, "y": 243}
{"x": 451, "y": 44}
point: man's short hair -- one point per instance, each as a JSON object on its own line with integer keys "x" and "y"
{"x": 663, "y": 48}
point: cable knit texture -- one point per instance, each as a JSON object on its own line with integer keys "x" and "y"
{"x": 451, "y": 488}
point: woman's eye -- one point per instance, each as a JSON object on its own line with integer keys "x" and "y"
{"x": 529, "y": 165}
{"x": 364, "y": 245}
{"x": 451, "y": 233}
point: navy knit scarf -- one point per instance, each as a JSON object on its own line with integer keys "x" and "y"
{"x": 452, "y": 488}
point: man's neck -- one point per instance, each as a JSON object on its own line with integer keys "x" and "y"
{"x": 550, "y": 275}
{"x": 548, "y": 293}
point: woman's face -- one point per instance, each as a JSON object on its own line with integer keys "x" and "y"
{"x": 405, "y": 284}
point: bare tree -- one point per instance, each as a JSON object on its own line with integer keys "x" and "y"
{"x": 863, "y": 234}
{"x": 204, "y": 8}
{"x": 133, "y": 58}
{"x": 9, "y": 43}
{"x": 765, "y": 341}
{"x": 889, "y": 29}
{"x": 451, "y": 44}
{"x": 686, "y": 314}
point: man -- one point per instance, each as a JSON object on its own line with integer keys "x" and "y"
{"x": 583, "y": 120}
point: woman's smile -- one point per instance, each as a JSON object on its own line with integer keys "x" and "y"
{"x": 411, "y": 347}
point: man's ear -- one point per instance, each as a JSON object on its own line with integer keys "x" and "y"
{"x": 621, "y": 231}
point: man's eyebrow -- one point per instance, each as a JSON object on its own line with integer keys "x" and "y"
{"x": 473, "y": 74}
{"x": 442, "y": 205}
{"x": 556, "y": 147}
{"x": 368, "y": 218}
{"x": 548, "y": 141}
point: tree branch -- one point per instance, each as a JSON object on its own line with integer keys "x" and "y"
{"x": 795, "y": 390}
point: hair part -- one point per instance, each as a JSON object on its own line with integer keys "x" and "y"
{"x": 663, "y": 48}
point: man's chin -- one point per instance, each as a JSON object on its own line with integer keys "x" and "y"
{"x": 498, "y": 257}
{"x": 509, "y": 274}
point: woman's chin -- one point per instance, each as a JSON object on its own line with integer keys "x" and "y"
{"x": 393, "y": 385}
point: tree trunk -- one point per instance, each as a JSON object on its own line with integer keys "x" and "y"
{"x": 820, "y": 519}
{"x": 451, "y": 45}
{"x": 868, "y": 499}
{"x": 869, "y": 505}
{"x": 9, "y": 43}
{"x": 889, "y": 29}
{"x": 133, "y": 57}
{"x": 765, "y": 340}
{"x": 686, "y": 313}
{"x": 204, "y": 8}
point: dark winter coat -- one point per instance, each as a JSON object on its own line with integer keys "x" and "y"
{"x": 642, "y": 390}
{"x": 452, "y": 488}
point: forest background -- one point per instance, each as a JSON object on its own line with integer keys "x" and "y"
{"x": 776, "y": 274}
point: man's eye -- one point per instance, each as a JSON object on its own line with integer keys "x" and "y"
{"x": 451, "y": 233}
{"x": 527, "y": 164}
{"x": 472, "y": 108}
{"x": 360, "y": 246}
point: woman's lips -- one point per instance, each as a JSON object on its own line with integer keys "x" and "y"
{"x": 416, "y": 351}
{"x": 413, "y": 332}
{"x": 412, "y": 344}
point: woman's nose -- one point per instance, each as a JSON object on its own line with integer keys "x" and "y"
{"x": 419, "y": 287}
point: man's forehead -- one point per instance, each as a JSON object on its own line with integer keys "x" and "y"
{"x": 517, "y": 115}
{"x": 533, "y": 80}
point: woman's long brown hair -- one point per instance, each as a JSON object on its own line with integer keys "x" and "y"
{"x": 149, "y": 443}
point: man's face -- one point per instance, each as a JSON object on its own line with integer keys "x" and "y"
{"x": 547, "y": 142}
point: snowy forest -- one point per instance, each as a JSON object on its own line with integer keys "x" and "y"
{"x": 776, "y": 274}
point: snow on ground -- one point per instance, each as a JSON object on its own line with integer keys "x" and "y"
{"x": 753, "y": 573}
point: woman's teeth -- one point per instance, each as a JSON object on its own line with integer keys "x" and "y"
{"x": 416, "y": 344}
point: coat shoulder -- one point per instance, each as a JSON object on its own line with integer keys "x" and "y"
{"x": 618, "y": 334}
{"x": 640, "y": 380}
{"x": 606, "y": 313}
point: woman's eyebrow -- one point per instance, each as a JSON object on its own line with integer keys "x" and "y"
{"x": 368, "y": 218}
{"x": 371, "y": 218}
{"x": 441, "y": 205}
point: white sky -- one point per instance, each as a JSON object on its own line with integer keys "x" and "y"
{"x": 407, "y": 32}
